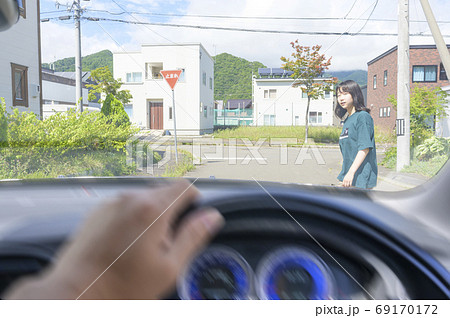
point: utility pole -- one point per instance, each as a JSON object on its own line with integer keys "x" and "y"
{"x": 438, "y": 39}
{"x": 403, "y": 121}
{"x": 78, "y": 70}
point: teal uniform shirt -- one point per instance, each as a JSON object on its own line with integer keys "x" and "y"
{"x": 358, "y": 134}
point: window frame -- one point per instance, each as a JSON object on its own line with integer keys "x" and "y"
{"x": 374, "y": 84}
{"x": 316, "y": 115}
{"x": 442, "y": 73}
{"x": 268, "y": 93}
{"x": 385, "y": 76}
{"x": 132, "y": 77}
{"x": 24, "y": 70}
{"x": 424, "y": 74}
{"x": 23, "y": 9}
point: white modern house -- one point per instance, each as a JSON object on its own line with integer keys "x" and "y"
{"x": 277, "y": 103}
{"x": 59, "y": 92}
{"x": 152, "y": 103}
{"x": 20, "y": 56}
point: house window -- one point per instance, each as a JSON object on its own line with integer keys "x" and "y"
{"x": 315, "y": 117}
{"x": 204, "y": 78}
{"x": 304, "y": 95}
{"x": 297, "y": 121}
{"x": 152, "y": 70}
{"x": 182, "y": 77}
{"x": 385, "y": 112}
{"x": 170, "y": 112}
{"x": 424, "y": 73}
{"x": 205, "y": 111}
{"x": 134, "y": 77}
{"x": 22, "y": 8}
{"x": 327, "y": 94}
{"x": 270, "y": 93}
{"x": 129, "y": 110}
{"x": 374, "y": 82}
{"x": 385, "y": 78}
{"x": 210, "y": 83}
{"x": 442, "y": 73}
{"x": 269, "y": 120}
{"x": 19, "y": 76}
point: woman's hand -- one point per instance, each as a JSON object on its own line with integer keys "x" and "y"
{"x": 127, "y": 249}
{"x": 348, "y": 179}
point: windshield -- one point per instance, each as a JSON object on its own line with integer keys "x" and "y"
{"x": 303, "y": 92}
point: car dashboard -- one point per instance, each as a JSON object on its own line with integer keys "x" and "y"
{"x": 280, "y": 241}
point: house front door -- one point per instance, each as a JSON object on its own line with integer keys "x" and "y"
{"x": 155, "y": 115}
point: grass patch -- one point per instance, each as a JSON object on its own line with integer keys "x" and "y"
{"x": 32, "y": 164}
{"x": 325, "y": 134}
{"x": 427, "y": 168}
{"x": 328, "y": 134}
{"x": 185, "y": 164}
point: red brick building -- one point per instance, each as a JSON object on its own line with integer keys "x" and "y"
{"x": 426, "y": 69}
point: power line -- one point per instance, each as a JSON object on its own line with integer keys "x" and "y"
{"x": 354, "y": 2}
{"x": 245, "y": 30}
{"x": 247, "y": 17}
{"x": 153, "y": 31}
{"x": 367, "y": 20}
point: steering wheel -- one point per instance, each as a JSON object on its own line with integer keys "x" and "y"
{"x": 334, "y": 227}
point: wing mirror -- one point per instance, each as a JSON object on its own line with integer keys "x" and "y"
{"x": 9, "y": 13}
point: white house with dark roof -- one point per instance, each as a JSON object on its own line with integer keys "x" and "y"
{"x": 277, "y": 103}
{"x": 59, "y": 92}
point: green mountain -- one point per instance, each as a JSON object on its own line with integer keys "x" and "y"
{"x": 359, "y": 76}
{"x": 233, "y": 77}
{"x": 89, "y": 62}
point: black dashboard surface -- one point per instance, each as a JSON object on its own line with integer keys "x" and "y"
{"x": 361, "y": 248}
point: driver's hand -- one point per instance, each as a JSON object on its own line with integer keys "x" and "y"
{"x": 127, "y": 249}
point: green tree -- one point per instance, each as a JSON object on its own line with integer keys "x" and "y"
{"x": 3, "y": 123}
{"x": 427, "y": 106}
{"x": 106, "y": 84}
{"x": 233, "y": 77}
{"x": 113, "y": 106}
{"x": 309, "y": 66}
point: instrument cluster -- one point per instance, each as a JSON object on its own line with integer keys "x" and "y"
{"x": 283, "y": 272}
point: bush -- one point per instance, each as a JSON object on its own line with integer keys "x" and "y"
{"x": 113, "y": 107}
{"x": 3, "y": 124}
{"x": 390, "y": 158}
{"x": 67, "y": 144}
{"x": 433, "y": 147}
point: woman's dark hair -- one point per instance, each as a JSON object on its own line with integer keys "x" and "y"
{"x": 358, "y": 99}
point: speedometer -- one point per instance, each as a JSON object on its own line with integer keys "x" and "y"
{"x": 293, "y": 273}
{"x": 218, "y": 273}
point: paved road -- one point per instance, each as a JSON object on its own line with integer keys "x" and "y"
{"x": 281, "y": 164}
{"x": 307, "y": 165}
{"x": 246, "y": 160}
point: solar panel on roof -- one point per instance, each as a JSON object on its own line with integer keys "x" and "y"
{"x": 264, "y": 71}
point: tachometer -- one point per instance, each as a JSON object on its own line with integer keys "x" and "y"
{"x": 218, "y": 273}
{"x": 293, "y": 273}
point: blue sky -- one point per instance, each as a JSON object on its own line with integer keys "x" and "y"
{"x": 58, "y": 37}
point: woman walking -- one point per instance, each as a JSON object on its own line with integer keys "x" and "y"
{"x": 357, "y": 140}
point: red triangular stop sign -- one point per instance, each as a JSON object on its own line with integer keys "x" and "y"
{"x": 171, "y": 77}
